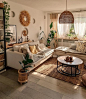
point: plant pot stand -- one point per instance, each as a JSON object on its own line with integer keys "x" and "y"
{"x": 22, "y": 77}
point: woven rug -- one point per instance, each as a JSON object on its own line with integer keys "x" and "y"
{"x": 49, "y": 68}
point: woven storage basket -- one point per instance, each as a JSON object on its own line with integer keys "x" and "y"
{"x": 1, "y": 57}
{"x": 1, "y": 5}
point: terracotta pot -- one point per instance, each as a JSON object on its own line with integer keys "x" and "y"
{"x": 1, "y": 5}
{"x": 22, "y": 77}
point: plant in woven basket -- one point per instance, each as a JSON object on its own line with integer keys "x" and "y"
{"x": 25, "y": 63}
{"x": 7, "y": 11}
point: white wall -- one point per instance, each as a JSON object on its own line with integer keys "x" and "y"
{"x": 32, "y": 28}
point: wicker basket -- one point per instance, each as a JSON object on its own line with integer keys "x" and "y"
{"x": 1, "y": 57}
{"x": 23, "y": 77}
{"x": 1, "y": 5}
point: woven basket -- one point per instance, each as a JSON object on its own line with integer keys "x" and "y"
{"x": 1, "y": 57}
{"x": 23, "y": 77}
{"x": 1, "y": 5}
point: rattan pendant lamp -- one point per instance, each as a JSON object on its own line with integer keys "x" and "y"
{"x": 66, "y": 17}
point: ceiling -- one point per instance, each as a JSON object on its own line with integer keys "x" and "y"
{"x": 53, "y": 5}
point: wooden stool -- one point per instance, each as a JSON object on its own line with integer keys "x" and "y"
{"x": 84, "y": 79}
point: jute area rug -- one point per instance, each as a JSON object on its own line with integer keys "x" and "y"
{"x": 49, "y": 68}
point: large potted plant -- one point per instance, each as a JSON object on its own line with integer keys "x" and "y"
{"x": 6, "y": 9}
{"x": 23, "y": 73}
{"x": 51, "y": 35}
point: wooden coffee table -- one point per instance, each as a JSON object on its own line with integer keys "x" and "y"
{"x": 73, "y": 66}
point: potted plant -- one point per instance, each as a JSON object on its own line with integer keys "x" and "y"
{"x": 6, "y": 9}
{"x": 51, "y": 35}
{"x": 23, "y": 73}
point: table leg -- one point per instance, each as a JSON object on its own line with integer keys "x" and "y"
{"x": 57, "y": 63}
{"x": 71, "y": 70}
{"x": 75, "y": 70}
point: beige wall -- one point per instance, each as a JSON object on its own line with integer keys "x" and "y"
{"x": 33, "y": 29}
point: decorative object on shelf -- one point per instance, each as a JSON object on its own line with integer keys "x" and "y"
{"x": 32, "y": 40}
{"x": 40, "y": 27}
{"x": 66, "y": 17}
{"x": 23, "y": 73}
{"x": 7, "y": 11}
{"x": 1, "y": 5}
{"x": 13, "y": 35}
{"x": 41, "y": 36}
{"x": 51, "y": 35}
{"x": 24, "y": 18}
{"x": 25, "y": 32}
{"x": 28, "y": 39}
{"x": 13, "y": 13}
{"x": 34, "y": 21}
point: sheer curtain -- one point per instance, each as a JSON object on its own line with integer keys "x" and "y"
{"x": 80, "y": 24}
{"x": 63, "y": 29}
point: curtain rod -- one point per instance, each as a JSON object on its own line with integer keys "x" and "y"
{"x": 73, "y": 11}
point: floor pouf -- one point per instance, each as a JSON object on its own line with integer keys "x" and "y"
{"x": 84, "y": 79}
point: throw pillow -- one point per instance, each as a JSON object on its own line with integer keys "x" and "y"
{"x": 43, "y": 47}
{"x": 38, "y": 48}
{"x": 16, "y": 48}
{"x": 73, "y": 46}
{"x": 23, "y": 50}
{"x": 81, "y": 46}
{"x": 33, "y": 49}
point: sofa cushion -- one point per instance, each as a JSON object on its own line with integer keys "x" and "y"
{"x": 42, "y": 47}
{"x": 48, "y": 52}
{"x": 16, "y": 48}
{"x": 37, "y": 57}
{"x": 81, "y": 46}
{"x": 73, "y": 46}
{"x": 23, "y": 50}
{"x": 38, "y": 48}
{"x": 33, "y": 49}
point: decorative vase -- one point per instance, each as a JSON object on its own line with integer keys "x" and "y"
{"x": 1, "y": 5}
{"x": 22, "y": 77}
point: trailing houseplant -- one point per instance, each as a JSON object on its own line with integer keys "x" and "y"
{"x": 51, "y": 35}
{"x": 23, "y": 73}
{"x": 7, "y": 16}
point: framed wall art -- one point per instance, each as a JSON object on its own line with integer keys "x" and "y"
{"x": 13, "y": 38}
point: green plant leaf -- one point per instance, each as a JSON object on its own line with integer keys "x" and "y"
{"x": 51, "y": 25}
{"x": 27, "y": 66}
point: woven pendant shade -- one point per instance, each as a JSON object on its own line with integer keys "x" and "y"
{"x": 66, "y": 17}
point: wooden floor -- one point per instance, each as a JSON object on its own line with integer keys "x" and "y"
{"x": 39, "y": 86}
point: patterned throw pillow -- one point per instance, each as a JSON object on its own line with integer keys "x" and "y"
{"x": 33, "y": 49}
{"x": 23, "y": 50}
{"x": 38, "y": 48}
{"x": 81, "y": 46}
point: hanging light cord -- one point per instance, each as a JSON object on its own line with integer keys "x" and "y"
{"x": 66, "y": 5}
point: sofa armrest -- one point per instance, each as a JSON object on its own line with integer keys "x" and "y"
{"x": 13, "y": 59}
